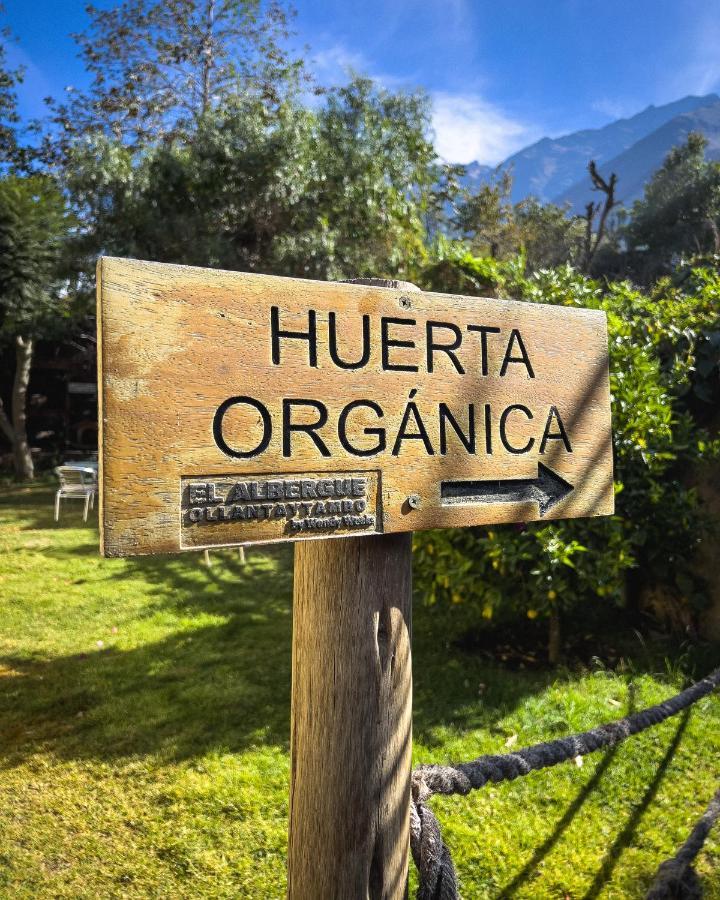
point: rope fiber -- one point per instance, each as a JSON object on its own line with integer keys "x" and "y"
{"x": 676, "y": 879}
{"x": 437, "y": 876}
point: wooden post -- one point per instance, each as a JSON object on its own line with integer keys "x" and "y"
{"x": 516, "y": 426}
{"x": 351, "y": 720}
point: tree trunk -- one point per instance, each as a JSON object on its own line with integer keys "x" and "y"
{"x": 24, "y": 469}
{"x": 554, "y": 641}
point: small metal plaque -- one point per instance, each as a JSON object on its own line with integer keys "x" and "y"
{"x": 226, "y": 510}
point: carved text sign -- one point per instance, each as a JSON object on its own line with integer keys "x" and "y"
{"x": 238, "y": 408}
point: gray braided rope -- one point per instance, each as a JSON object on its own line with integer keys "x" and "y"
{"x": 437, "y": 877}
{"x": 676, "y": 879}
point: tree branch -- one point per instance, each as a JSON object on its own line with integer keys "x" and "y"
{"x": 591, "y": 210}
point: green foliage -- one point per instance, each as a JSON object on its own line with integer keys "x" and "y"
{"x": 544, "y": 234}
{"x": 656, "y": 341}
{"x": 9, "y": 118}
{"x": 340, "y": 192}
{"x": 159, "y": 67}
{"x": 679, "y": 214}
{"x": 453, "y": 268}
{"x": 33, "y": 229}
{"x": 548, "y": 234}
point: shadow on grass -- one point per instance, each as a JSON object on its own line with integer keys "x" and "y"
{"x": 225, "y": 684}
{"x": 625, "y": 837}
{"x": 583, "y": 794}
{"x": 222, "y": 685}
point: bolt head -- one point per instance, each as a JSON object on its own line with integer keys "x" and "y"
{"x": 413, "y": 501}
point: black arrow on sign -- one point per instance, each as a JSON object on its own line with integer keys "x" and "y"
{"x": 547, "y": 490}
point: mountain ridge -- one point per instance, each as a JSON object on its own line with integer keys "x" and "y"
{"x": 555, "y": 169}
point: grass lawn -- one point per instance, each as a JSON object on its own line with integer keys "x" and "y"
{"x": 144, "y": 727}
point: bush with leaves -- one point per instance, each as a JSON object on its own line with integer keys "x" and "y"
{"x": 656, "y": 342}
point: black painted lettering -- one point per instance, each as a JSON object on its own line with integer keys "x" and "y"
{"x": 310, "y": 429}
{"x": 484, "y": 331}
{"x": 405, "y": 435}
{"x": 217, "y": 427}
{"x": 387, "y": 342}
{"x": 446, "y": 348}
{"x": 333, "y": 346}
{"x": 446, "y": 417}
{"x": 559, "y": 435}
{"x": 276, "y": 333}
{"x": 503, "y": 429}
{"x": 379, "y": 433}
{"x": 488, "y": 429}
{"x": 515, "y": 338}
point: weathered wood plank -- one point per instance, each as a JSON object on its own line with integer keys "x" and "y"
{"x": 457, "y": 411}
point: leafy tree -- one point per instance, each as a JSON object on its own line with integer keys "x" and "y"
{"x": 657, "y": 341}
{"x": 486, "y": 218}
{"x": 453, "y": 268}
{"x": 334, "y": 193}
{"x": 375, "y": 183}
{"x": 33, "y": 228}
{"x": 679, "y": 213}
{"x": 159, "y": 66}
{"x": 494, "y": 227}
{"x": 549, "y": 236}
{"x": 9, "y": 118}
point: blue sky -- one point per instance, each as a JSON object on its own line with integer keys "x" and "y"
{"x": 501, "y": 74}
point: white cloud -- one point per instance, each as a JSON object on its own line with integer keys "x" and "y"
{"x": 332, "y": 63}
{"x": 468, "y": 128}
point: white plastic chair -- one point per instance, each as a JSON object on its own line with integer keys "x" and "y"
{"x": 77, "y": 482}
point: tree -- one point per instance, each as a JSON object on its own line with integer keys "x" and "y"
{"x": 9, "y": 118}
{"x": 544, "y": 233}
{"x": 679, "y": 213}
{"x": 159, "y": 66}
{"x": 33, "y": 228}
{"x": 593, "y": 239}
{"x": 487, "y": 218}
{"x": 375, "y": 182}
{"x": 332, "y": 193}
{"x": 549, "y": 236}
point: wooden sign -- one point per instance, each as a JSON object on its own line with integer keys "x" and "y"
{"x": 240, "y": 408}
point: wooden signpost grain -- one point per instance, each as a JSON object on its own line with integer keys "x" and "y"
{"x": 240, "y": 408}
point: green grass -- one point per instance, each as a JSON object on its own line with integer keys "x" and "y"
{"x": 155, "y": 763}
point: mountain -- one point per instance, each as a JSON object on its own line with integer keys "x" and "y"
{"x": 635, "y": 166}
{"x": 555, "y": 169}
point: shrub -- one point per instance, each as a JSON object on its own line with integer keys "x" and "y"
{"x": 664, "y": 350}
